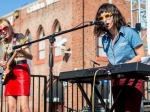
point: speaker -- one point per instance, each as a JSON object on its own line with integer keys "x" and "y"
{"x": 138, "y": 26}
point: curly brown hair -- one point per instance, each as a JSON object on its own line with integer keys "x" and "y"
{"x": 118, "y": 19}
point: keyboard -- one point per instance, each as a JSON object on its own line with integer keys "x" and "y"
{"x": 132, "y": 70}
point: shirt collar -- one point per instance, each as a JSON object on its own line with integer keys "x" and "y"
{"x": 121, "y": 32}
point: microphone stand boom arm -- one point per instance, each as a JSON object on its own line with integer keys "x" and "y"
{"x": 60, "y": 33}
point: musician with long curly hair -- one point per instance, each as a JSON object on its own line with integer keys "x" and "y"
{"x": 122, "y": 45}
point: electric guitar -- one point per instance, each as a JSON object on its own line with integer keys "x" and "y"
{"x": 7, "y": 71}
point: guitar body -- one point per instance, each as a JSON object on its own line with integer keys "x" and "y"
{"x": 5, "y": 75}
{"x": 7, "y": 70}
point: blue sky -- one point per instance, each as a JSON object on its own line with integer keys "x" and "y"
{"x": 7, "y": 6}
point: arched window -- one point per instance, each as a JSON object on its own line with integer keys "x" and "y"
{"x": 58, "y": 39}
{"x": 41, "y": 47}
{"x": 28, "y": 34}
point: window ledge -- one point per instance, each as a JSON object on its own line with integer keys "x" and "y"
{"x": 58, "y": 58}
{"x": 101, "y": 58}
{"x": 39, "y": 62}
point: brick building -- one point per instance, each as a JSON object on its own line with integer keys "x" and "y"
{"x": 45, "y": 17}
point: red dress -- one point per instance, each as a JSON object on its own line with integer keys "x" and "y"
{"x": 19, "y": 81}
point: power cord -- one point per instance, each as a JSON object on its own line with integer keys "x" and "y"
{"x": 94, "y": 89}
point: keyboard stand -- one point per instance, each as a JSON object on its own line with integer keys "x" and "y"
{"x": 101, "y": 99}
{"x": 123, "y": 89}
{"x": 85, "y": 95}
{"x": 118, "y": 96}
{"x": 127, "y": 96}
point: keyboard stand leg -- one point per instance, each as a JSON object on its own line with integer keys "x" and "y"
{"x": 100, "y": 97}
{"x": 119, "y": 94}
{"x": 84, "y": 95}
{"x": 127, "y": 96}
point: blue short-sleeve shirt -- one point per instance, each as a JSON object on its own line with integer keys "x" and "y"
{"x": 123, "y": 48}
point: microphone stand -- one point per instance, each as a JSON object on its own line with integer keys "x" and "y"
{"x": 93, "y": 65}
{"x": 52, "y": 39}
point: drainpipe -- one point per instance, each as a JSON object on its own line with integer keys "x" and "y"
{"x": 110, "y": 94}
{"x": 83, "y": 35}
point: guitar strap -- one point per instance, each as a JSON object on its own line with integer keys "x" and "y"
{"x": 9, "y": 50}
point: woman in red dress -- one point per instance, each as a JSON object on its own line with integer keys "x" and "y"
{"x": 18, "y": 80}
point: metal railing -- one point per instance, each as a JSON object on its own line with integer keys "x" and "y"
{"x": 67, "y": 96}
{"x": 37, "y": 98}
{"x": 145, "y": 105}
{"x": 74, "y": 100}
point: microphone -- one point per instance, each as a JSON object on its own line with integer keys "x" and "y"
{"x": 95, "y": 63}
{"x": 1, "y": 37}
{"x": 98, "y": 23}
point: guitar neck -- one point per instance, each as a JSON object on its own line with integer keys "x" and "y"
{"x": 11, "y": 59}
